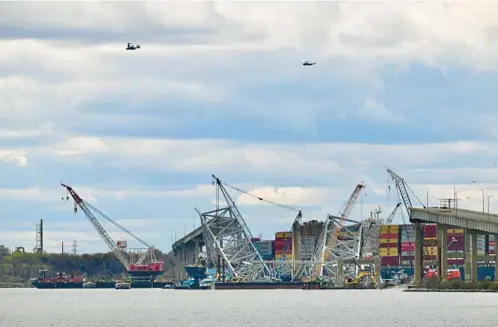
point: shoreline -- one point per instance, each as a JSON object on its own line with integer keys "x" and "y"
{"x": 471, "y": 290}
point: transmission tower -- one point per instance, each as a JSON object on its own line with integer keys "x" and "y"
{"x": 75, "y": 248}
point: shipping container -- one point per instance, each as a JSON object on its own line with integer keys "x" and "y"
{"x": 407, "y": 257}
{"x": 492, "y": 238}
{"x": 389, "y": 261}
{"x": 387, "y": 252}
{"x": 407, "y": 263}
{"x": 389, "y": 227}
{"x": 387, "y": 240}
{"x": 264, "y": 247}
{"x": 492, "y": 243}
{"x": 280, "y": 244}
{"x": 456, "y": 246}
{"x": 388, "y": 245}
{"x": 430, "y": 231}
{"x": 267, "y": 256}
{"x": 430, "y": 258}
{"x": 407, "y": 244}
{"x": 283, "y": 235}
{"x": 389, "y": 236}
{"x": 455, "y": 231}
{"x": 255, "y": 239}
{"x": 407, "y": 253}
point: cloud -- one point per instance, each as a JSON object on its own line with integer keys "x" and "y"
{"x": 16, "y": 157}
{"x": 219, "y": 87}
{"x": 377, "y": 112}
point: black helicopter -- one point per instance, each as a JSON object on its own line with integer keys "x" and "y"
{"x": 132, "y": 47}
{"x": 307, "y": 63}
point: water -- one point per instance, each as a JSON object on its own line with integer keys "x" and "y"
{"x": 286, "y": 308}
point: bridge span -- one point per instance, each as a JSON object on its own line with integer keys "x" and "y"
{"x": 473, "y": 223}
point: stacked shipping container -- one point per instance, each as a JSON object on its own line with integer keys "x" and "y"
{"x": 283, "y": 241}
{"x": 430, "y": 234}
{"x": 407, "y": 236}
{"x": 265, "y": 249}
{"x": 455, "y": 245}
{"x": 388, "y": 245}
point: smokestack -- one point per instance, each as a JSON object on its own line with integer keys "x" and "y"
{"x": 41, "y": 235}
{"x": 62, "y": 243}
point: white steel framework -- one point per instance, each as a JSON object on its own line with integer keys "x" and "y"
{"x": 227, "y": 235}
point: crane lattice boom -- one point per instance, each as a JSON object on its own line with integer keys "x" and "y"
{"x": 100, "y": 229}
{"x": 393, "y": 213}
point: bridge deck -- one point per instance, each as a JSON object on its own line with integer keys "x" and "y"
{"x": 460, "y": 218}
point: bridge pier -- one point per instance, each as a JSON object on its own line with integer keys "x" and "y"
{"x": 442, "y": 251}
{"x": 419, "y": 261}
{"x": 496, "y": 260}
{"x": 473, "y": 256}
{"x": 467, "y": 256}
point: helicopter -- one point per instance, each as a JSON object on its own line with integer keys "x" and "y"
{"x": 307, "y": 63}
{"x": 132, "y": 47}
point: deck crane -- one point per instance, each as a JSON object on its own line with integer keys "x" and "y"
{"x": 136, "y": 270}
{"x": 330, "y": 234}
{"x": 392, "y": 214}
{"x": 403, "y": 189}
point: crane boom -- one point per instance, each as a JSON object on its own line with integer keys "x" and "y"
{"x": 403, "y": 190}
{"x": 393, "y": 213}
{"x": 100, "y": 229}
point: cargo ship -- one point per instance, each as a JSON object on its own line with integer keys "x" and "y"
{"x": 63, "y": 281}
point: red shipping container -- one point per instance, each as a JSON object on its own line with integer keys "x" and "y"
{"x": 389, "y": 261}
{"x": 281, "y": 244}
{"x": 388, "y": 245}
{"x": 388, "y": 236}
{"x": 492, "y": 243}
{"x": 430, "y": 231}
{"x": 456, "y": 247}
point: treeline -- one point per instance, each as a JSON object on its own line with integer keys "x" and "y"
{"x": 21, "y": 267}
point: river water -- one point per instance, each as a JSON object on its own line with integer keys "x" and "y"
{"x": 233, "y": 308}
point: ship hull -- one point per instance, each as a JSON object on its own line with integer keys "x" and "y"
{"x": 76, "y": 285}
{"x": 258, "y": 286}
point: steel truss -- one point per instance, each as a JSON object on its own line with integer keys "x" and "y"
{"x": 347, "y": 246}
{"x": 227, "y": 235}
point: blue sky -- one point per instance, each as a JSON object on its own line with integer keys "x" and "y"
{"x": 219, "y": 88}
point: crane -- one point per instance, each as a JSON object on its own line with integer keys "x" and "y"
{"x": 403, "y": 189}
{"x": 392, "y": 214}
{"x": 327, "y": 244}
{"x": 135, "y": 269}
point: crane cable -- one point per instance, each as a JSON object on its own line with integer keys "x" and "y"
{"x": 261, "y": 199}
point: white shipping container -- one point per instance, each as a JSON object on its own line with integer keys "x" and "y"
{"x": 492, "y": 238}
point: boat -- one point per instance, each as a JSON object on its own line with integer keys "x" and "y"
{"x": 63, "y": 281}
{"x": 89, "y": 285}
{"x": 122, "y": 286}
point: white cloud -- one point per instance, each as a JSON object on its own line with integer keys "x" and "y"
{"x": 12, "y": 156}
{"x": 92, "y": 195}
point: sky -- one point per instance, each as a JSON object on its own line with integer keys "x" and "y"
{"x": 219, "y": 88}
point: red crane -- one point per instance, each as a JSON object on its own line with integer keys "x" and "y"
{"x": 136, "y": 270}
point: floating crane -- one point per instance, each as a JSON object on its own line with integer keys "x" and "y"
{"x": 136, "y": 270}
